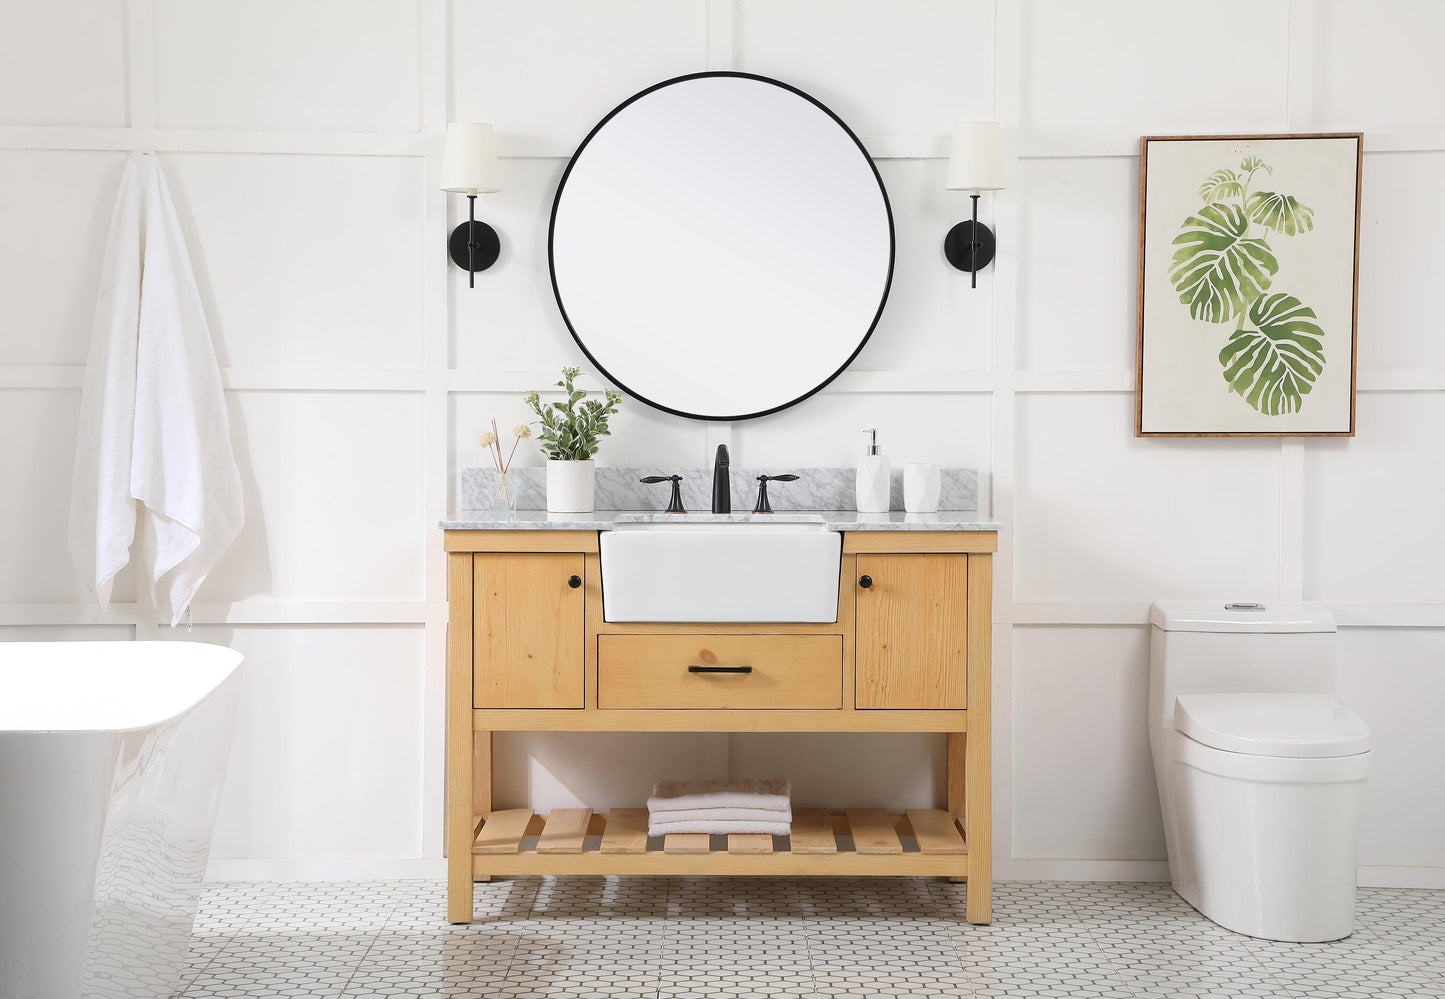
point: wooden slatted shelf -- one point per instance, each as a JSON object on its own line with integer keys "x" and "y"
{"x": 875, "y": 846}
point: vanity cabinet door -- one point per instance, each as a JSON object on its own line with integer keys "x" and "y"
{"x": 911, "y": 634}
{"x": 528, "y": 630}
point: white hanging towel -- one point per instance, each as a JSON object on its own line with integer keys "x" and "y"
{"x": 154, "y": 440}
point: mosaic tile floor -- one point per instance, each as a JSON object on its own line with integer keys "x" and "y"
{"x": 683, "y": 937}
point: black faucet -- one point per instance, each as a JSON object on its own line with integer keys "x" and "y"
{"x": 722, "y": 497}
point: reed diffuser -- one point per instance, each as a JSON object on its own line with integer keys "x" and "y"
{"x": 503, "y": 496}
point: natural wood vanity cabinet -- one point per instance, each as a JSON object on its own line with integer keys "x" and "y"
{"x": 912, "y": 631}
{"x": 528, "y": 650}
{"x": 529, "y": 630}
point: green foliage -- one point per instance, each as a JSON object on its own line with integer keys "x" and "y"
{"x": 1280, "y": 212}
{"x": 1276, "y": 353}
{"x": 1275, "y": 364}
{"x": 1253, "y": 164}
{"x": 1217, "y": 270}
{"x": 1219, "y": 185}
{"x": 572, "y": 430}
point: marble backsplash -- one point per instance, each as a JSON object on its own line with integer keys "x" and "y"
{"x": 618, "y": 488}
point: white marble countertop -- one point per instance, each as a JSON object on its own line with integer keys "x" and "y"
{"x": 606, "y": 520}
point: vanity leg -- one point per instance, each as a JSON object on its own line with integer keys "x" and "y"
{"x": 481, "y": 783}
{"x": 978, "y": 817}
{"x": 460, "y": 742}
{"x": 957, "y": 786}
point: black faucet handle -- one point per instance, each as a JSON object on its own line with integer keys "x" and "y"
{"x": 674, "y": 504}
{"x": 762, "y": 505}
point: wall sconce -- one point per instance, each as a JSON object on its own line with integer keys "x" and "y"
{"x": 469, "y": 166}
{"x": 975, "y": 164}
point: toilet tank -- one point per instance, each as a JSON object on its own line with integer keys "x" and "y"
{"x": 1219, "y": 647}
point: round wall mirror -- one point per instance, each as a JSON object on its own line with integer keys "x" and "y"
{"x": 721, "y": 246}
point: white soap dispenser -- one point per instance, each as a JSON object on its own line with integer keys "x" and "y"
{"x": 874, "y": 476}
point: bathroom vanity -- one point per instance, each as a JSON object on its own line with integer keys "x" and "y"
{"x": 530, "y": 648}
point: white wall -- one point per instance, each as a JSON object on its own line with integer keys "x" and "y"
{"x": 301, "y": 142}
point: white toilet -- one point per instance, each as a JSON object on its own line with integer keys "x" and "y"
{"x": 1259, "y": 765}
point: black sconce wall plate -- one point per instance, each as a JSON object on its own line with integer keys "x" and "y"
{"x": 474, "y": 246}
{"x": 487, "y": 246}
{"x": 969, "y": 246}
{"x": 959, "y": 251}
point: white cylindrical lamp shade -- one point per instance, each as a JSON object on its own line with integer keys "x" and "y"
{"x": 469, "y": 160}
{"x": 975, "y": 161}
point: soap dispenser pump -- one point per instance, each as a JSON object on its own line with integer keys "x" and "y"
{"x": 874, "y": 476}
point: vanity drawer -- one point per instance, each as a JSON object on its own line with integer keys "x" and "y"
{"x": 719, "y": 671}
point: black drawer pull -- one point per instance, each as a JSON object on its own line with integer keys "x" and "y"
{"x": 719, "y": 669}
{"x": 865, "y": 581}
{"x": 574, "y": 581}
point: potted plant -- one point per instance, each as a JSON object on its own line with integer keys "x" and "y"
{"x": 570, "y": 433}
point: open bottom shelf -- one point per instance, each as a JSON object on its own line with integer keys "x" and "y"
{"x": 857, "y": 842}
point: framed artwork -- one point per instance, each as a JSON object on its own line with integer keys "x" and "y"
{"x": 1248, "y": 270}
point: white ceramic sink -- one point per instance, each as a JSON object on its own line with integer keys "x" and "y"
{"x": 720, "y": 572}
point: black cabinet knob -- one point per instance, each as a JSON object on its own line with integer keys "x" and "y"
{"x": 865, "y": 581}
{"x": 574, "y": 581}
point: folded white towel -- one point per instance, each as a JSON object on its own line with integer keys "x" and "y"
{"x": 154, "y": 438}
{"x": 657, "y": 828}
{"x": 734, "y": 792}
{"x": 723, "y": 815}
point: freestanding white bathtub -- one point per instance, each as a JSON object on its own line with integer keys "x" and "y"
{"x": 111, "y": 760}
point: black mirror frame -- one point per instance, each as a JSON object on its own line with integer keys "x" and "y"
{"x": 887, "y": 281}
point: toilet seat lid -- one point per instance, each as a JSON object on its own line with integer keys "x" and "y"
{"x": 1292, "y": 725}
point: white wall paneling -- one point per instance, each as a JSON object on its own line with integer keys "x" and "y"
{"x": 557, "y": 66}
{"x": 1086, "y": 688}
{"x": 301, "y": 143}
{"x": 324, "y": 272}
{"x": 1102, "y": 515}
{"x": 38, "y": 444}
{"x": 47, "y": 274}
{"x": 330, "y": 725}
{"x": 1145, "y": 67}
{"x": 1387, "y": 477}
{"x": 62, "y": 63}
{"x": 325, "y": 65}
{"x": 886, "y": 69}
{"x": 1376, "y": 65}
{"x": 1077, "y": 244}
{"x": 1394, "y": 679}
{"x": 334, "y": 498}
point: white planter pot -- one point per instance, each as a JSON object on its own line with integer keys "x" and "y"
{"x": 570, "y": 486}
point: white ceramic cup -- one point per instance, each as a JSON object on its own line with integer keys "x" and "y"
{"x": 920, "y": 487}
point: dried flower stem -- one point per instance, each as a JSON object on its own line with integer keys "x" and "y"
{"x": 497, "y": 457}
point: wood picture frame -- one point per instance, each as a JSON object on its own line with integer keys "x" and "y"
{"x": 1248, "y": 276}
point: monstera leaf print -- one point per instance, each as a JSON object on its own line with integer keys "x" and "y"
{"x": 1251, "y": 164}
{"x": 1280, "y": 212}
{"x": 1275, "y": 364}
{"x": 1219, "y": 185}
{"x": 1216, "y": 270}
